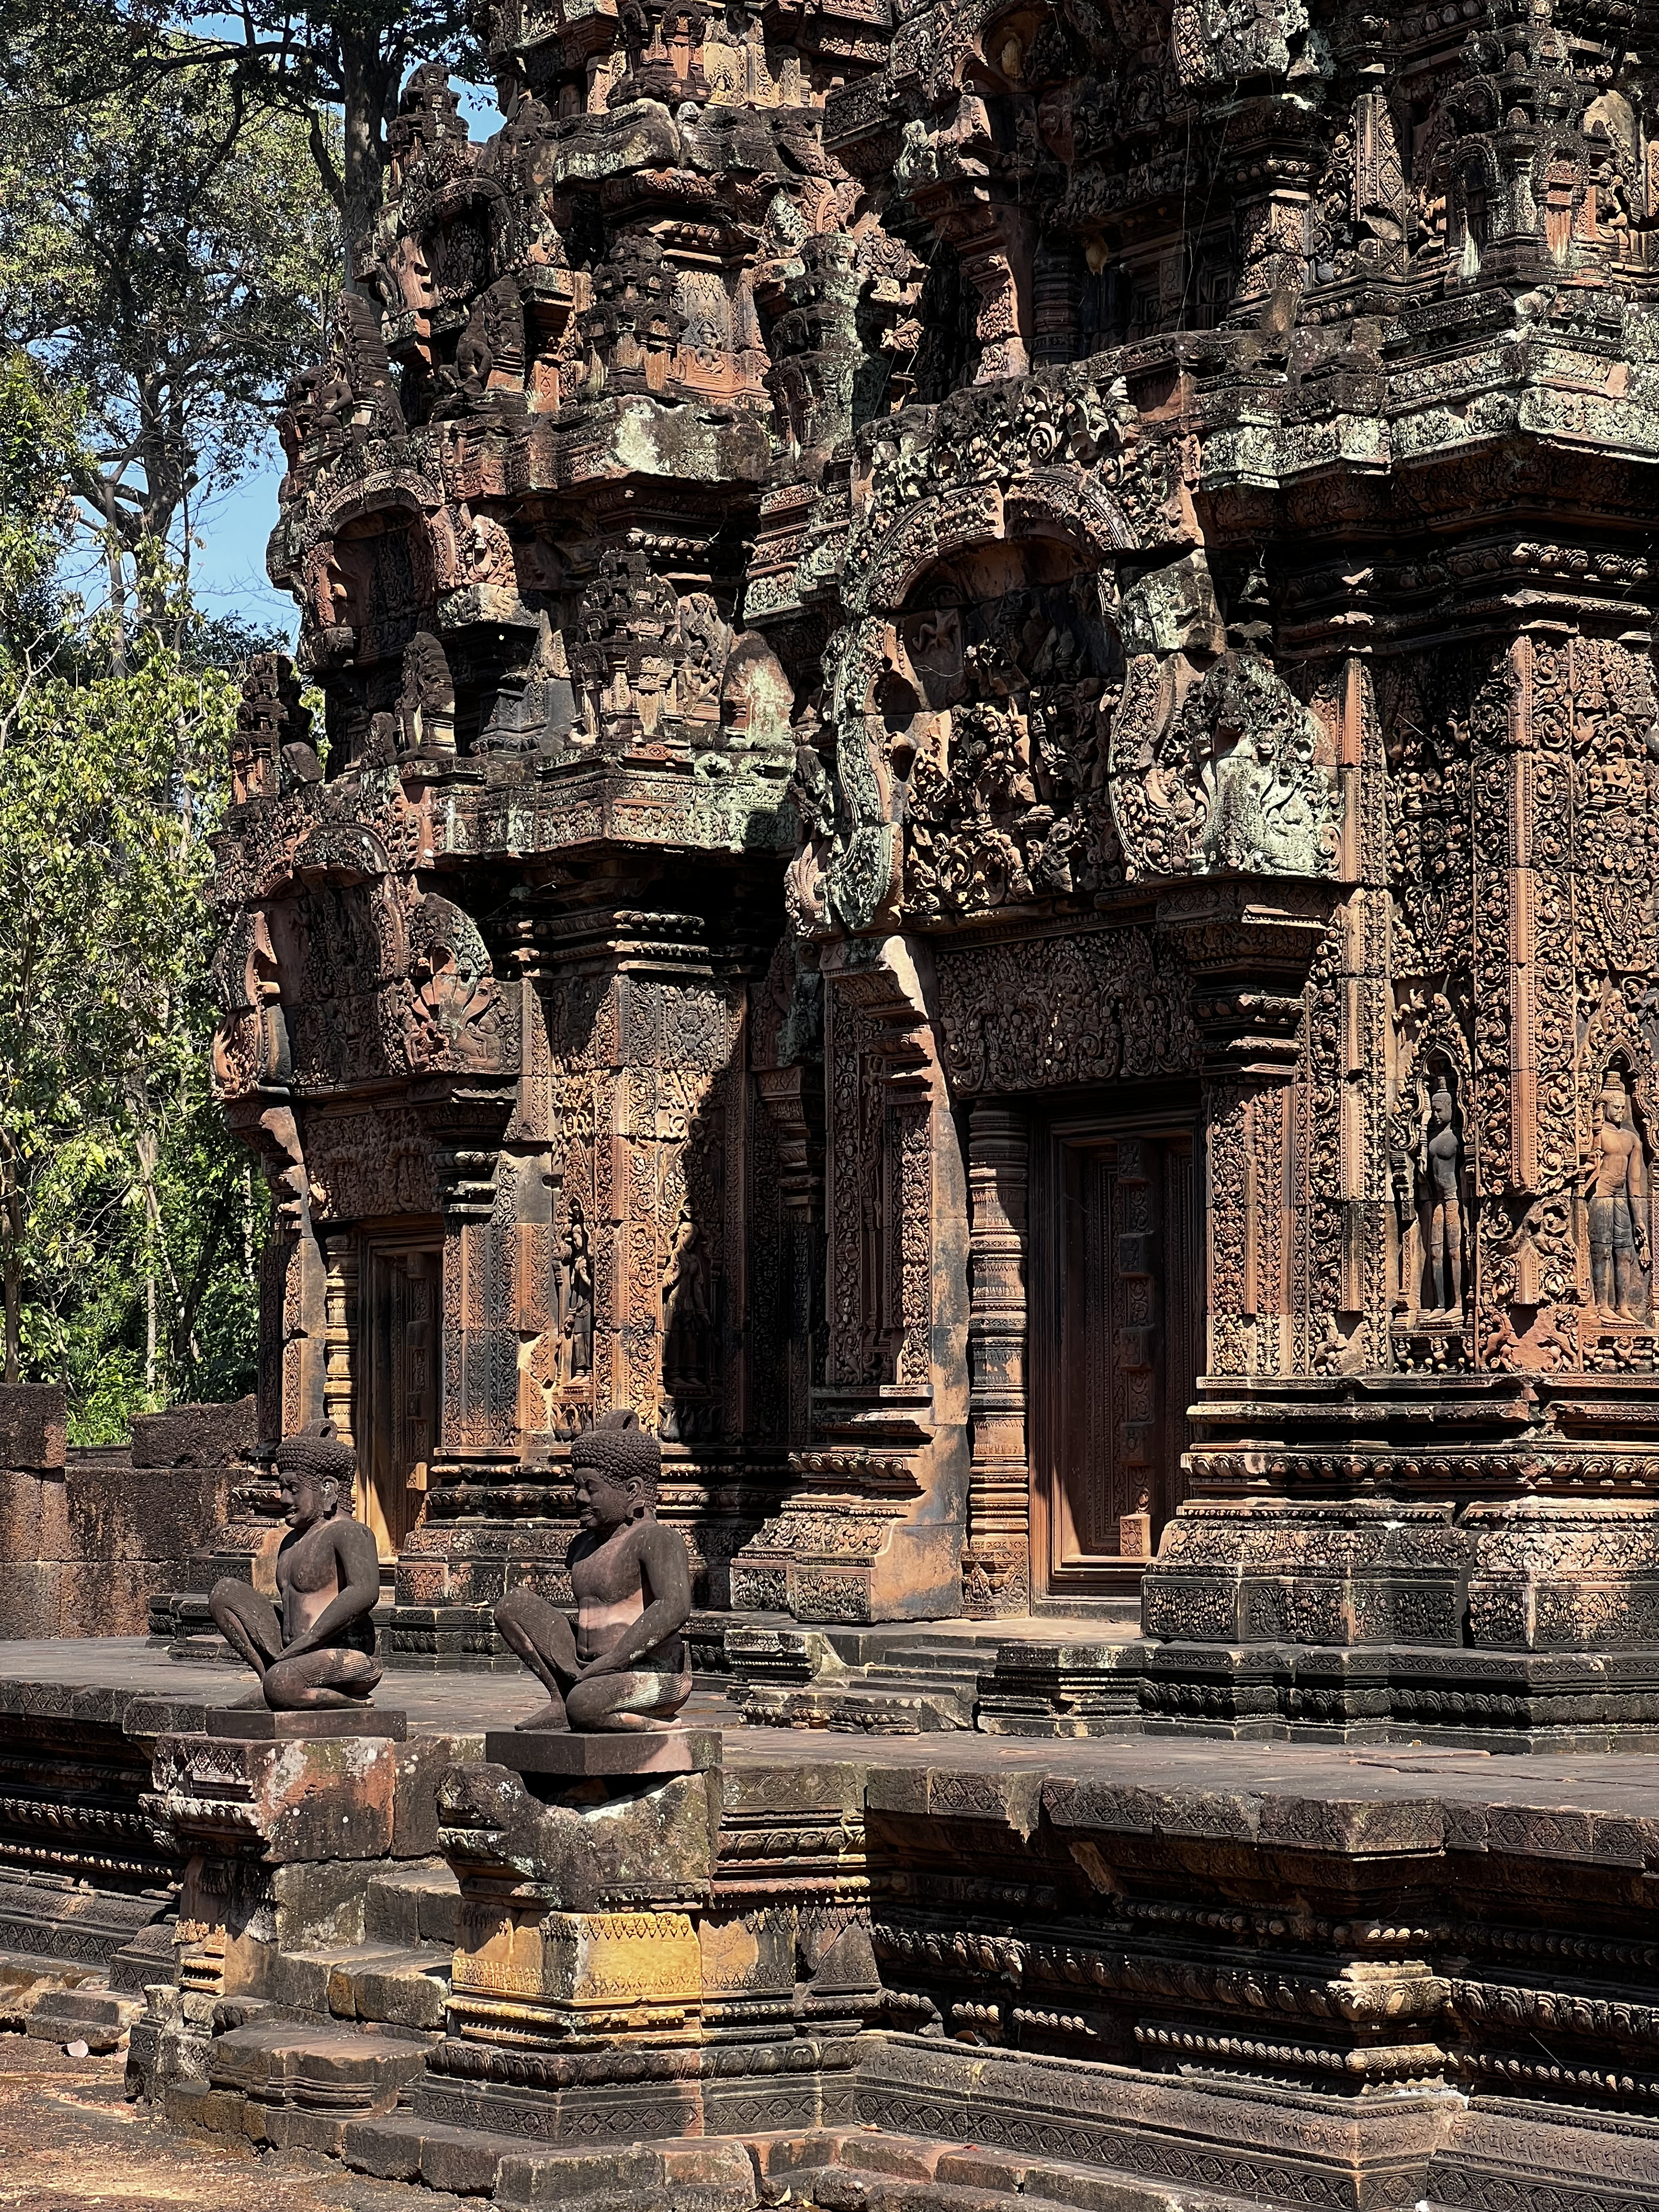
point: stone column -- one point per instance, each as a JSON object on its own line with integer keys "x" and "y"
{"x": 996, "y": 1563}
{"x": 339, "y": 1377}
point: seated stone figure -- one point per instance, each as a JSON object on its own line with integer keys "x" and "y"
{"x": 320, "y": 1651}
{"x": 624, "y": 1666}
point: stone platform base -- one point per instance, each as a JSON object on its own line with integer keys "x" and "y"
{"x": 1520, "y": 1701}
{"x": 961, "y": 1973}
{"x": 1491, "y": 2152}
{"x": 573, "y": 1755}
{"x": 318, "y": 1724}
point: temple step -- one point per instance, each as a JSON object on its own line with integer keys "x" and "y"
{"x": 413, "y": 1904}
{"x": 711, "y": 2174}
{"x": 1059, "y": 1677}
{"x": 397, "y": 1986}
{"x": 292, "y": 2086}
{"x": 715, "y": 2174}
{"x": 52, "y": 2003}
{"x": 401, "y": 2148}
{"x": 870, "y": 2170}
{"x": 853, "y": 1708}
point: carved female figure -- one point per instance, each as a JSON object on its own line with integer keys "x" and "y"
{"x": 576, "y": 1298}
{"x": 1402, "y": 1182}
{"x": 1618, "y": 1197}
{"x": 1442, "y": 1151}
{"x": 687, "y": 1309}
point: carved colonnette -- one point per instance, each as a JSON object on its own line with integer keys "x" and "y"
{"x": 873, "y": 1529}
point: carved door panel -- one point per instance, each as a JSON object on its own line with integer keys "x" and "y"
{"x": 400, "y": 1293}
{"x": 1115, "y": 1353}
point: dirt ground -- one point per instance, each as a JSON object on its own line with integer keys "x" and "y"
{"x": 69, "y": 2141}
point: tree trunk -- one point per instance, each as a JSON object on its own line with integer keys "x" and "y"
{"x": 11, "y": 1261}
{"x": 117, "y": 585}
{"x": 369, "y": 91}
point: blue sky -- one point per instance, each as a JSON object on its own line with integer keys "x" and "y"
{"x": 228, "y": 571}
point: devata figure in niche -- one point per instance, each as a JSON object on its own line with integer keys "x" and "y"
{"x": 1443, "y": 1160}
{"x": 576, "y": 1296}
{"x": 687, "y": 1309}
{"x": 1403, "y": 1182}
{"x": 624, "y": 1666}
{"x": 1618, "y": 1201}
{"x": 320, "y": 1651}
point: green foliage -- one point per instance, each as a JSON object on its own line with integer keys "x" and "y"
{"x": 127, "y": 1223}
{"x": 335, "y": 66}
{"x": 173, "y": 255}
{"x": 37, "y": 448}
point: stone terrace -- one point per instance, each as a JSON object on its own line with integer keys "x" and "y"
{"x": 939, "y": 1973}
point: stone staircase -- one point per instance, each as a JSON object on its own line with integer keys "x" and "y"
{"x": 875, "y": 1682}
{"x": 398, "y": 1975}
{"x": 814, "y": 2170}
{"x": 346, "y": 2029}
{"x": 900, "y": 1680}
{"x": 74, "y": 1960}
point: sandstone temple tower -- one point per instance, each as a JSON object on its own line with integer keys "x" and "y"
{"x": 984, "y": 836}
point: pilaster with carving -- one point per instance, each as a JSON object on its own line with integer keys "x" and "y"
{"x": 995, "y": 1568}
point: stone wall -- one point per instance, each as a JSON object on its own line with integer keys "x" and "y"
{"x": 89, "y": 1534}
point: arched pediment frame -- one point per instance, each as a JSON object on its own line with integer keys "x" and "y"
{"x": 1063, "y": 505}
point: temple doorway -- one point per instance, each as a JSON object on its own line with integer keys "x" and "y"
{"x": 400, "y": 1293}
{"x": 1113, "y": 1330}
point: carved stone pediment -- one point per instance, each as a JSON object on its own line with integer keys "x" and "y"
{"x": 1220, "y": 770}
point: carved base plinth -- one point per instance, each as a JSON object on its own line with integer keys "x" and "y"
{"x": 463, "y": 1639}
{"x": 1559, "y": 1574}
{"x": 447, "y": 1639}
{"x": 1512, "y": 1701}
{"x": 641, "y": 2095}
{"x": 1534, "y": 1619}
{"x": 851, "y": 1554}
{"x": 574, "y": 1981}
{"x": 247, "y": 1724}
{"x": 636, "y": 1751}
{"x": 1350, "y": 1572}
{"x": 1062, "y": 1690}
{"x": 275, "y": 1793}
{"x": 996, "y": 1582}
{"x": 1617, "y": 1348}
{"x": 1431, "y": 1343}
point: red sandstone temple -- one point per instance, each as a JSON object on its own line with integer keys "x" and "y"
{"x": 979, "y": 836}
{"x": 982, "y": 835}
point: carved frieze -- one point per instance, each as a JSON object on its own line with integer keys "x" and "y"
{"x": 1037, "y": 1014}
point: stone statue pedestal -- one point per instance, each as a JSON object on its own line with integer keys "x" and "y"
{"x": 612, "y": 1753}
{"x": 247, "y": 1724}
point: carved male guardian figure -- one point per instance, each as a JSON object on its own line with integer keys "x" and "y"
{"x": 319, "y": 1650}
{"x": 624, "y": 1666}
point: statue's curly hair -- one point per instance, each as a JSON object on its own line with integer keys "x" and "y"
{"x": 617, "y": 1447}
{"x": 320, "y": 1451}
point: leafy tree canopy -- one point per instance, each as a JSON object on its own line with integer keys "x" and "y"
{"x": 172, "y": 253}
{"x": 342, "y": 57}
{"x": 127, "y": 1223}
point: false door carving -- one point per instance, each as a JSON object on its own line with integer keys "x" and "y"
{"x": 1115, "y": 1347}
{"x": 400, "y": 1291}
